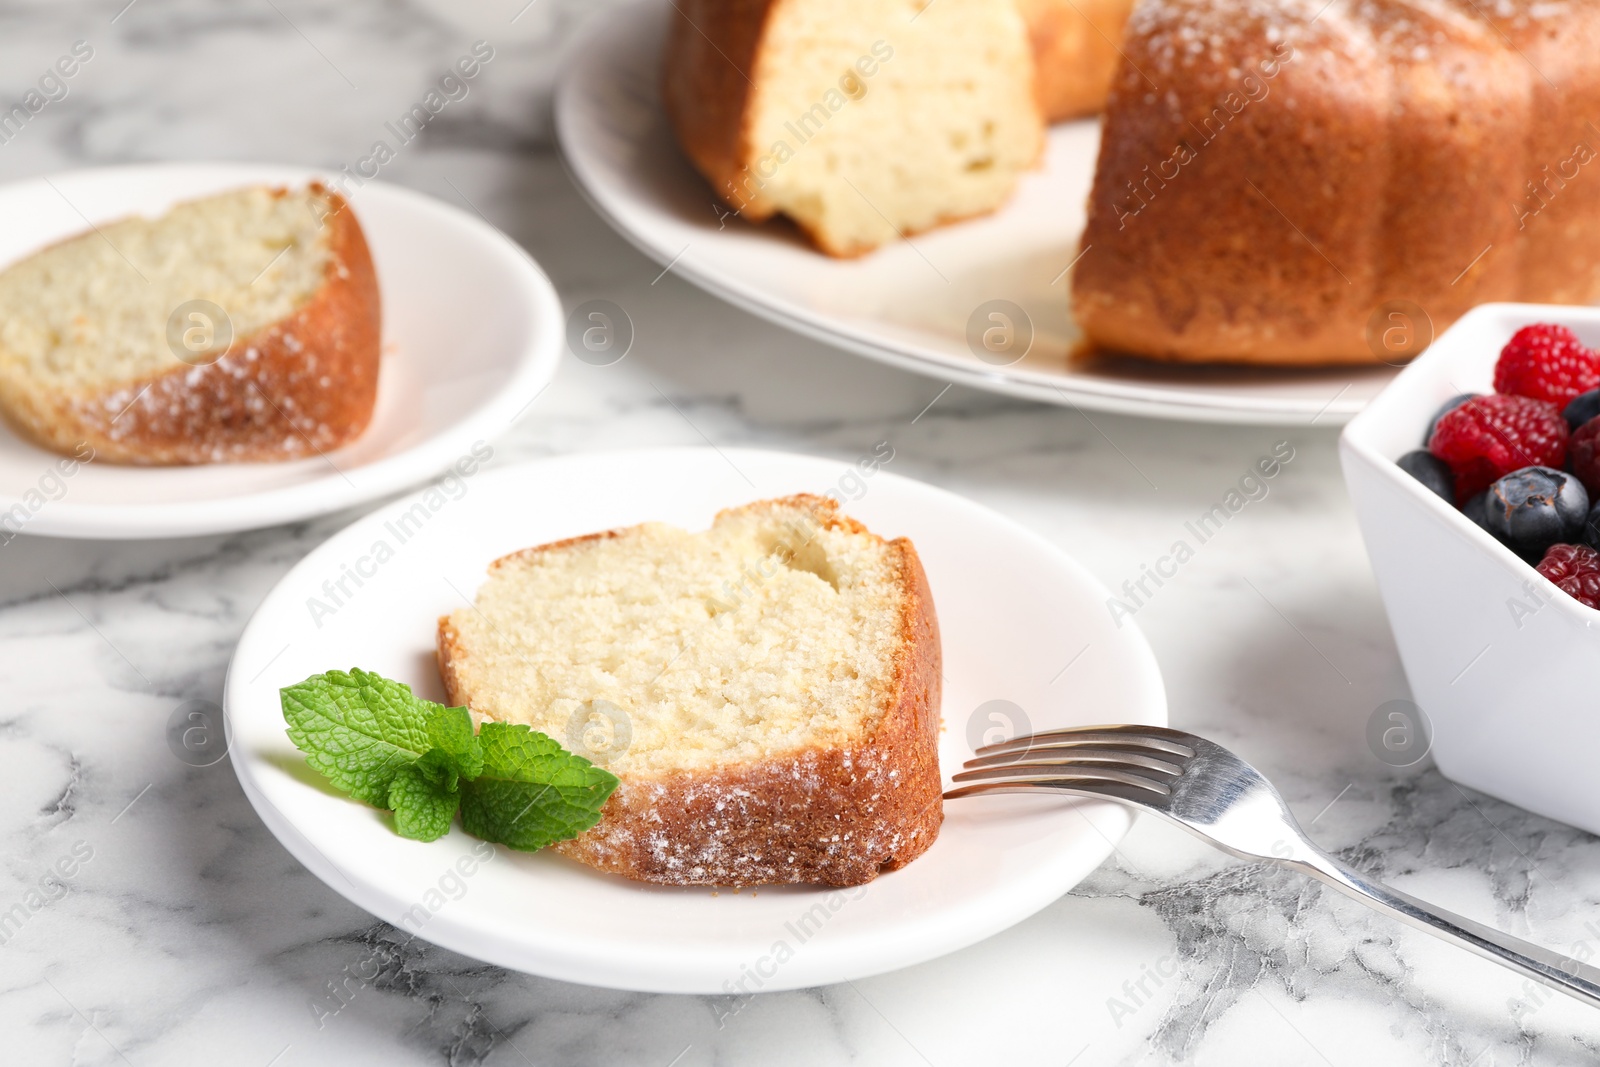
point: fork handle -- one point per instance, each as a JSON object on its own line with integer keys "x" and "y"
{"x": 1548, "y": 968}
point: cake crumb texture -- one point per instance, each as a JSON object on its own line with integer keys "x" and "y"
{"x": 767, "y": 690}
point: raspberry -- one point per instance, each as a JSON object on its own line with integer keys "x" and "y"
{"x": 1488, "y": 437}
{"x": 1584, "y": 449}
{"x": 1575, "y": 569}
{"x": 1546, "y": 362}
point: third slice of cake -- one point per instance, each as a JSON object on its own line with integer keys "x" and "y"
{"x": 767, "y": 691}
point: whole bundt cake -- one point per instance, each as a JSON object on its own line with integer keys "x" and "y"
{"x": 1290, "y": 181}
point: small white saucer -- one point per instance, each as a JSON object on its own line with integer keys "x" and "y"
{"x": 472, "y": 331}
{"x": 1027, "y": 642}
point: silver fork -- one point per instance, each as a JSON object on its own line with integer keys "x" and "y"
{"x": 1220, "y": 798}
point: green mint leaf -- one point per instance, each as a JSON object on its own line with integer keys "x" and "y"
{"x": 532, "y": 792}
{"x": 377, "y": 741}
{"x": 359, "y": 729}
{"x": 450, "y": 731}
{"x": 425, "y": 796}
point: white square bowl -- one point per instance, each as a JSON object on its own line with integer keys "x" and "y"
{"x": 1505, "y": 666}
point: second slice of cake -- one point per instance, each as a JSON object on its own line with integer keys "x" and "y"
{"x": 239, "y": 327}
{"x": 862, "y": 120}
{"x": 767, "y": 691}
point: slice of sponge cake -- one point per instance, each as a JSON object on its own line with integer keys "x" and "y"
{"x": 767, "y": 691}
{"x": 861, "y": 120}
{"x": 242, "y": 326}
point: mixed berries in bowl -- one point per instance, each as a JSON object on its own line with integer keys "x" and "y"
{"x": 1498, "y": 663}
{"x": 1523, "y": 462}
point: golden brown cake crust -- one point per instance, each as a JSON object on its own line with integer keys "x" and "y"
{"x": 708, "y": 75}
{"x": 1075, "y": 53}
{"x": 300, "y": 387}
{"x": 824, "y": 816}
{"x": 1379, "y": 155}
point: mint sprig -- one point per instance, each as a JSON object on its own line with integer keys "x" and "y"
{"x": 377, "y": 741}
{"x": 532, "y": 792}
{"x": 357, "y": 729}
{"x": 424, "y": 798}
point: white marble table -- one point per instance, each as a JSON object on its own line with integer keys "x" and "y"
{"x": 189, "y": 936}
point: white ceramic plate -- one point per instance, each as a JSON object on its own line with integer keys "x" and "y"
{"x": 1021, "y": 623}
{"x": 907, "y": 304}
{"x": 471, "y": 333}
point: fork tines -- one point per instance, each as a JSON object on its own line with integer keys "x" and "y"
{"x": 1082, "y": 759}
{"x": 1150, "y": 737}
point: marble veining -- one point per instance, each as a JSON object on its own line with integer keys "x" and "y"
{"x": 185, "y": 934}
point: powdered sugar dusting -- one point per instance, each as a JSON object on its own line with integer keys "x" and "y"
{"x": 783, "y": 822}
{"x": 1168, "y": 36}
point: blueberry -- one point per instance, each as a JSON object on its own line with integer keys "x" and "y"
{"x": 1536, "y": 507}
{"x": 1431, "y": 471}
{"x": 1449, "y": 406}
{"x": 1584, "y": 407}
{"x": 1591, "y": 528}
{"x": 1477, "y": 509}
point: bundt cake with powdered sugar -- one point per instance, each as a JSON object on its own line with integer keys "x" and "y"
{"x": 1294, "y": 181}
